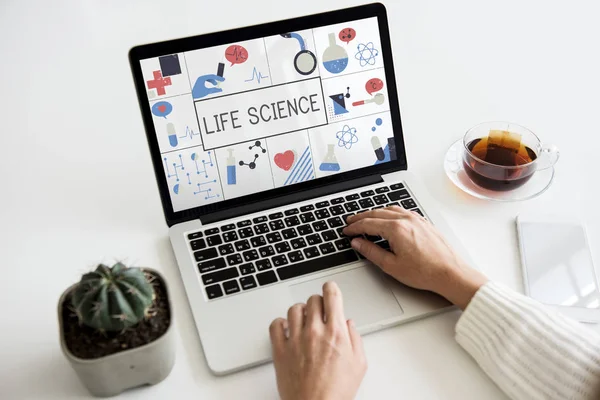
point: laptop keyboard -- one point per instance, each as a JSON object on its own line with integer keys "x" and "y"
{"x": 275, "y": 247}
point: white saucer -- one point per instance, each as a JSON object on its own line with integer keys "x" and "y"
{"x": 538, "y": 184}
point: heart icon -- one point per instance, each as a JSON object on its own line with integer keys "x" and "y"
{"x": 284, "y": 160}
{"x": 162, "y": 108}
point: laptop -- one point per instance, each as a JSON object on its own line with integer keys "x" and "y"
{"x": 264, "y": 139}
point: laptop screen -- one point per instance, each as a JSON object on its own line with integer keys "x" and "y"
{"x": 256, "y": 115}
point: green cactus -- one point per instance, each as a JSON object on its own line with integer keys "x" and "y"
{"x": 112, "y": 299}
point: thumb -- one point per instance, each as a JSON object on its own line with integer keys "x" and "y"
{"x": 372, "y": 252}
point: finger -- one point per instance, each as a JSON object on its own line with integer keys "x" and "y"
{"x": 355, "y": 339}
{"x": 393, "y": 212}
{"x": 277, "y": 335}
{"x": 212, "y": 81}
{"x": 213, "y": 90}
{"x": 296, "y": 319}
{"x": 333, "y": 304}
{"x": 314, "y": 310}
{"x": 372, "y": 252}
{"x": 214, "y": 77}
{"x": 369, "y": 226}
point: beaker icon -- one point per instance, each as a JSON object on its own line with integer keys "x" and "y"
{"x": 330, "y": 163}
{"x": 335, "y": 57}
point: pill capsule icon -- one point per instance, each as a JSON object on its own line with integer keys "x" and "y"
{"x": 376, "y": 144}
{"x": 172, "y": 134}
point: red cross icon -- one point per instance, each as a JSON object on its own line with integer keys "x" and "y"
{"x": 159, "y": 83}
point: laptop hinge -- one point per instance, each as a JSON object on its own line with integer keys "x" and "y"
{"x": 288, "y": 199}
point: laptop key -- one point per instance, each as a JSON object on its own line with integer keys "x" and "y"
{"x": 293, "y": 211}
{"x": 276, "y": 225}
{"x": 282, "y": 247}
{"x": 329, "y": 236}
{"x": 230, "y": 236}
{"x": 295, "y": 256}
{"x": 195, "y": 235}
{"x": 337, "y": 210}
{"x": 262, "y": 265}
{"x": 266, "y": 278}
{"x": 211, "y": 231}
{"x": 250, "y": 255}
{"x": 383, "y": 244}
{"x": 314, "y": 239}
{"x": 322, "y": 204}
{"x": 371, "y": 238}
{"x": 383, "y": 189}
{"x": 258, "y": 241}
{"x": 231, "y": 287}
{"x": 289, "y": 233}
{"x": 198, "y": 244}
{"x": 242, "y": 245}
{"x": 352, "y": 206}
{"x": 335, "y": 222}
{"x": 211, "y": 265}
{"x": 266, "y": 251}
{"x": 408, "y": 204}
{"x": 399, "y": 195}
{"x": 274, "y": 237}
{"x": 227, "y": 227}
{"x": 226, "y": 249}
{"x": 338, "y": 200}
{"x": 315, "y": 265}
{"x": 419, "y": 212}
{"x": 248, "y": 282}
{"x": 207, "y": 254}
{"x": 242, "y": 224}
{"x": 309, "y": 207}
{"x": 345, "y": 217}
{"x": 275, "y": 215}
{"x": 305, "y": 230}
{"x": 342, "y": 244}
{"x": 246, "y": 232}
{"x": 214, "y": 291}
{"x": 351, "y": 197}
{"x": 322, "y": 214}
{"x": 367, "y": 193}
{"x": 279, "y": 261}
{"x": 258, "y": 220}
{"x": 246, "y": 269}
{"x": 366, "y": 203}
{"x": 214, "y": 240}
{"x": 311, "y": 252}
{"x": 307, "y": 217}
{"x": 380, "y": 199}
{"x": 327, "y": 248}
{"x": 292, "y": 221}
{"x": 395, "y": 203}
{"x": 320, "y": 226}
{"x": 234, "y": 259}
{"x": 397, "y": 186}
{"x": 261, "y": 228}
{"x": 376, "y": 208}
{"x": 220, "y": 276}
{"x": 298, "y": 243}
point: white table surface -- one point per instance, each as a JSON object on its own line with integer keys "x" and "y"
{"x": 78, "y": 186}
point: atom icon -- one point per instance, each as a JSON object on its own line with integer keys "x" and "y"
{"x": 346, "y": 137}
{"x": 366, "y": 54}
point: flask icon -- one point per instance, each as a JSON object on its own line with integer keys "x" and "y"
{"x": 172, "y": 134}
{"x": 335, "y": 57}
{"x": 231, "y": 172}
{"x": 330, "y": 163}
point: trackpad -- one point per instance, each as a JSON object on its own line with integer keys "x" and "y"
{"x": 367, "y": 299}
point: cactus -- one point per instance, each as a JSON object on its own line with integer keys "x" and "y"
{"x": 112, "y": 298}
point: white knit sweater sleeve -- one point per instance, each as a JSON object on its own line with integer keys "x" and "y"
{"x": 529, "y": 351}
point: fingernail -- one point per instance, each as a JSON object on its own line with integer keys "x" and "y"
{"x": 355, "y": 244}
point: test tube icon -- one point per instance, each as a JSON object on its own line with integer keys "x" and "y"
{"x": 376, "y": 144}
{"x": 220, "y": 70}
{"x": 231, "y": 172}
{"x": 172, "y": 134}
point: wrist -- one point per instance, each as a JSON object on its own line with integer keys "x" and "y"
{"x": 461, "y": 284}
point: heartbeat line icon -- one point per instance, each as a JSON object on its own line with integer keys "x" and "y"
{"x": 189, "y": 132}
{"x": 257, "y": 75}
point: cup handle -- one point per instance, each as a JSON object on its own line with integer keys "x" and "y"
{"x": 548, "y": 157}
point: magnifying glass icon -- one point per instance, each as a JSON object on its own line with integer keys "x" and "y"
{"x": 305, "y": 61}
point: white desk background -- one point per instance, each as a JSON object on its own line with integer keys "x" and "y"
{"x": 77, "y": 185}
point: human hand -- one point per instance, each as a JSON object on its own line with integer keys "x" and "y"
{"x": 316, "y": 352}
{"x": 419, "y": 256}
{"x": 200, "y": 90}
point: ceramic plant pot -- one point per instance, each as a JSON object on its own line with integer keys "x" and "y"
{"x": 112, "y": 374}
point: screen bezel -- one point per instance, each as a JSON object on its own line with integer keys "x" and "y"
{"x": 254, "y": 32}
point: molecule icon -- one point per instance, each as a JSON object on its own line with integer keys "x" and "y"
{"x": 346, "y": 137}
{"x": 366, "y": 54}
{"x": 252, "y": 164}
